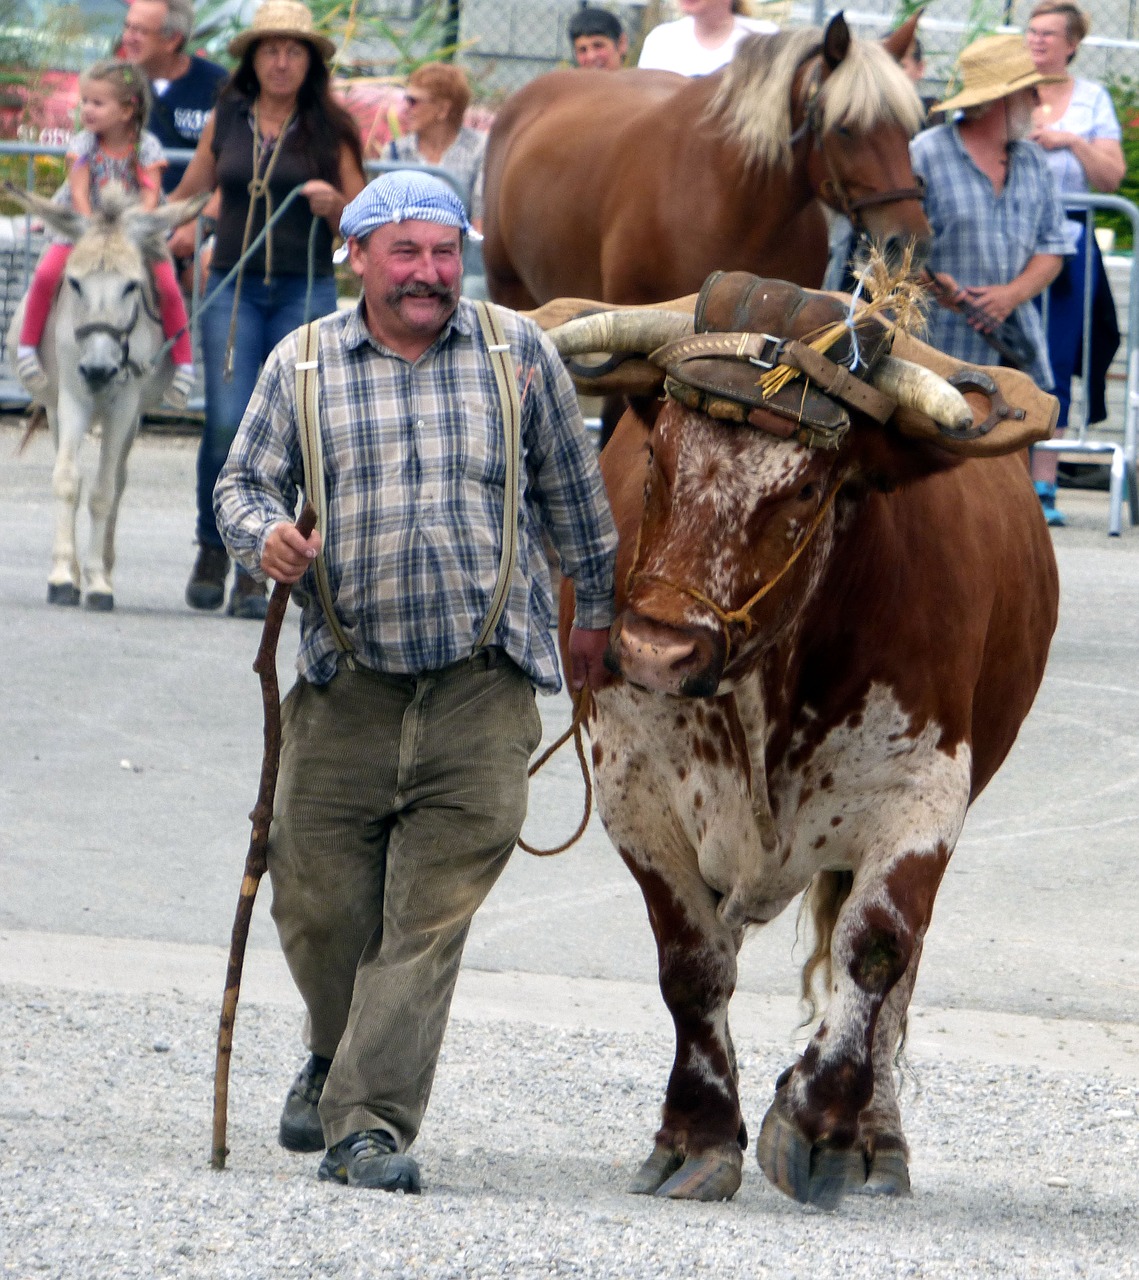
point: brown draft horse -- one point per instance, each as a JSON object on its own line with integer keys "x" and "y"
{"x": 633, "y": 186}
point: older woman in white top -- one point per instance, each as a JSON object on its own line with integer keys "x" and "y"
{"x": 701, "y": 42}
{"x": 1076, "y": 125}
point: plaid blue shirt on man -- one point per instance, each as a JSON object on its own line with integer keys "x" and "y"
{"x": 982, "y": 238}
{"x": 415, "y": 463}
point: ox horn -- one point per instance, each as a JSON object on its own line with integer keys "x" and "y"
{"x": 915, "y": 387}
{"x": 620, "y": 332}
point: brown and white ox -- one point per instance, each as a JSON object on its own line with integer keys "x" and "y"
{"x": 824, "y": 654}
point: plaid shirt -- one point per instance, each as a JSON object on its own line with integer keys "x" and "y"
{"x": 982, "y": 238}
{"x": 414, "y": 461}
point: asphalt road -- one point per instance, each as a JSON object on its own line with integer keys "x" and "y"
{"x": 132, "y": 751}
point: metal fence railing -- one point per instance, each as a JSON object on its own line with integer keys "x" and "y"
{"x": 1116, "y": 445}
{"x": 21, "y": 245}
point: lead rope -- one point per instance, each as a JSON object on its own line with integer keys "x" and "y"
{"x": 582, "y": 704}
{"x": 258, "y": 190}
{"x": 742, "y": 615}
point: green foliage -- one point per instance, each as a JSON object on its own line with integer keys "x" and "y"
{"x": 1125, "y": 95}
{"x": 426, "y": 39}
{"x": 906, "y": 10}
{"x": 984, "y": 17}
{"x": 48, "y": 174}
{"x": 367, "y": 44}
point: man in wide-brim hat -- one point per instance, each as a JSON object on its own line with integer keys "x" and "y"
{"x": 991, "y": 201}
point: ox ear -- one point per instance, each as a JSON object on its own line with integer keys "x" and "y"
{"x": 157, "y": 223}
{"x": 66, "y": 222}
{"x": 836, "y": 41}
{"x": 897, "y": 42}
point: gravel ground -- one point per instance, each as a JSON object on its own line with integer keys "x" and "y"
{"x": 532, "y": 1134}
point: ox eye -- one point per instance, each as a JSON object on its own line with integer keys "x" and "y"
{"x": 807, "y": 492}
{"x": 129, "y": 288}
{"x": 71, "y": 280}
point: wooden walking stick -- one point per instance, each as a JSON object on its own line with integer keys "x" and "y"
{"x": 265, "y": 664}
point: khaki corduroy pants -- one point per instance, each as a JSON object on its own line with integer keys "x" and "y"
{"x": 398, "y": 804}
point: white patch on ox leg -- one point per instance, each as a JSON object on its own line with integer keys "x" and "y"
{"x": 898, "y": 796}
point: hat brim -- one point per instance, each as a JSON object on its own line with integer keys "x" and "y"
{"x": 238, "y": 45}
{"x": 981, "y": 94}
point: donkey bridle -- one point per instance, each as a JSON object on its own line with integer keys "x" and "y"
{"x": 121, "y": 334}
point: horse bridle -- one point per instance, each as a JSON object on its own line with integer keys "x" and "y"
{"x": 831, "y": 189}
{"x": 121, "y": 334}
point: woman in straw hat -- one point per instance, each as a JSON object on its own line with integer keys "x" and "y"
{"x": 276, "y": 126}
{"x": 999, "y": 230}
{"x": 1076, "y": 125}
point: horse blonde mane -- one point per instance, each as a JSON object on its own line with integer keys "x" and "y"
{"x": 753, "y": 101}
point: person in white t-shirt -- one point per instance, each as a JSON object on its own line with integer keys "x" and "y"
{"x": 703, "y": 41}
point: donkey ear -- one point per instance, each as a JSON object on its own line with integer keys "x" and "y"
{"x": 158, "y": 222}
{"x": 836, "y": 40}
{"x": 66, "y": 222}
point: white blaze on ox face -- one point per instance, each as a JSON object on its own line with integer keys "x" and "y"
{"x": 723, "y": 475}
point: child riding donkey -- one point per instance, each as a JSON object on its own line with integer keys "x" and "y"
{"x": 113, "y": 146}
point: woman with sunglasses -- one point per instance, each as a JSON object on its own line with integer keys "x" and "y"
{"x": 431, "y": 121}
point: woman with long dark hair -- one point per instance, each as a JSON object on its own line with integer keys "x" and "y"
{"x": 276, "y": 126}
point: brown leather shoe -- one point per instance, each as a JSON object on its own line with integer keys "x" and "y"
{"x": 248, "y": 598}
{"x": 206, "y": 588}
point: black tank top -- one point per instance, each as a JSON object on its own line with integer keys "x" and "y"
{"x": 233, "y": 152}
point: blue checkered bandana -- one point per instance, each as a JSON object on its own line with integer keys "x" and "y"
{"x": 404, "y": 196}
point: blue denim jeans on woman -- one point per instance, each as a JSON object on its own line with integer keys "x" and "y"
{"x": 266, "y": 313}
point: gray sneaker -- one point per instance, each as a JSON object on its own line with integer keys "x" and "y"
{"x": 300, "y": 1121}
{"x": 370, "y": 1159}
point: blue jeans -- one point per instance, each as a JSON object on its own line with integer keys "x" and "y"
{"x": 266, "y": 313}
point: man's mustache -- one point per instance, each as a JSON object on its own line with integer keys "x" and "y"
{"x": 421, "y": 289}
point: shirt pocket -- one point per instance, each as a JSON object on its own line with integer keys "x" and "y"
{"x": 480, "y": 458}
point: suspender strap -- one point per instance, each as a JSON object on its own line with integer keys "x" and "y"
{"x": 308, "y": 415}
{"x": 499, "y": 350}
{"x": 308, "y": 420}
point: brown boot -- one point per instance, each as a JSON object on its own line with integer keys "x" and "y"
{"x": 248, "y": 599}
{"x": 206, "y": 588}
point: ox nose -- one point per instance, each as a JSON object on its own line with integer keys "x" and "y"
{"x": 668, "y": 659}
{"x": 97, "y": 374}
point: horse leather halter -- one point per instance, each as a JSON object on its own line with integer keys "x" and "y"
{"x": 831, "y": 190}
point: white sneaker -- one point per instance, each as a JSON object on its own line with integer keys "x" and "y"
{"x": 178, "y": 392}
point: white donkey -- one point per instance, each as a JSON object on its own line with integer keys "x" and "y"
{"x": 103, "y": 353}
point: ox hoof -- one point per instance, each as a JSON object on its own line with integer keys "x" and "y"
{"x": 807, "y": 1172}
{"x": 656, "y": 1171}
{"x": 62, "y": 593}
{"x": 714, "y": 1175}
{"x": 100, "y": 601}
{"x": 889, "y": 1174}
